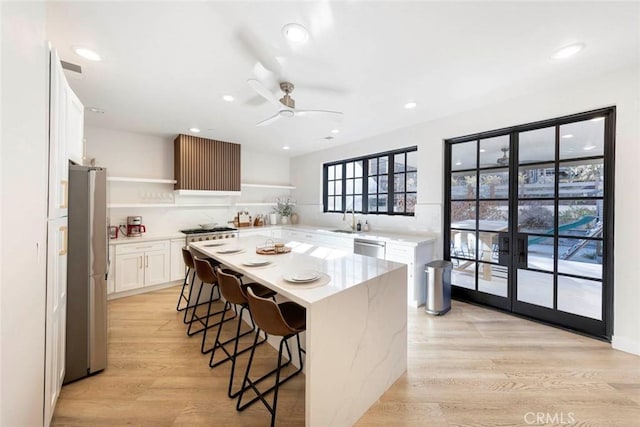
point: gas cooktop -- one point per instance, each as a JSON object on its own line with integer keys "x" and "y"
{"x": 207, "y": 230}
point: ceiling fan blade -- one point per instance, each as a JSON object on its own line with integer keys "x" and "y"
{"x": 263, "y": 91}
{"x": 305, "y": 113}
{"x": 259, "y": 50}
{"x": 270, "y": 120}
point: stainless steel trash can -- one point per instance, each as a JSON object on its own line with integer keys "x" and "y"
{"x": 438, "y": 287}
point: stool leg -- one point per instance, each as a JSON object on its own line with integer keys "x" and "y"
{"x": 193, "y": 278}
{"x": 182, "y": 297}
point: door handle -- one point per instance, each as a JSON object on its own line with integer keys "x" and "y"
{"x": 63, "y": 231}
{"x": 65, "y": 193}
{"x": 147, "y": 261}
{"x": 503, "y": 249}
{"x": 522, "y": 254}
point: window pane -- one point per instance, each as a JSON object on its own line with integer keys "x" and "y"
{"x": 348, "y": 202}
{"x": 382, "y": 203}
{"x": 579, "y": 217}
{"x": 373, "y": 166}
{"x": 494, "y": 216}
{"x": 350, "y": 170}
{"x": 349, "y": 189}
{"x": 338, "y": 188}
{"x": 494, "y": 184}
{"x": 492, "y": 279}
{"x": 383, "y": 184}
{"x": 412, "y": 161}
{"x": 464, "y": 274}
{"x": 488, "y": 246}
{"x": 373, "y": 204}
{"x": 463, "y": 185}
{"x": 580, "y": 296}
{"x": 580, "y": 257}
{"x": 494, "y": 151}
{"x": 398, "y": 203}
{"x": 412, "y": 181}
{"x": 338, "y": 171}
{"x": 535, "y": 216}
{"x": 536, "y": 181}
{"x": 398, "y": 182}
{"x": 463, "y": 156}
{"x": 357, "y": 186}
{"x": 330, "y": 187}
{"x": 582, "y": 139}
{"x": 398, "y": 165}
{"x": 537, "y": 145}
{"x": 358, "y": 168}
{"x": 358, "y": 203}
{"x": 540, "y": 253}
{"x": 463, "y": 244}
{"x": 383, "y": 165}
{"x": 463, "y": 215}
{"x": 330, "y": 172}
{"x": 411, "y": 202}
{"x": 372, "y": 181}
{"x": 535, "y": 288}
{"x": 339, "y": 204}
{"x": 582, "y": 179}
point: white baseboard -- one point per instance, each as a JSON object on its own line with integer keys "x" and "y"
{"x": 625, "y": 344}
{"x": 144, "y": 290}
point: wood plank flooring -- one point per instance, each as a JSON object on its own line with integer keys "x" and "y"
{"x": 471, "y": 367}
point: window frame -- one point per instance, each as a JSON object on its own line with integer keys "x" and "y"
{"x": 390, "y": 174}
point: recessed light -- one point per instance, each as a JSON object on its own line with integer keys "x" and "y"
{"x": 86, "y": 53}
{"x": 588, "y": 147}
{"x": 295, "y": 33}
{"x": 228, "y": 98}
{"x": 286, "y": 147}
{"x": 410, "y": 105}
{"x": 568, "y": 51}
{"x": 335, "y": 131}
{"x": 194, "y": 130}
{"x": 597, "y": 119}
{"x": 482, "y": 150}
{"x": 458, "y": 163}
{"x": 567, "y": 136}
{"x": 95, "y": 110}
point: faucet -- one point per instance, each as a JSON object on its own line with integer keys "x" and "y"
{"x": 353, "y": 218}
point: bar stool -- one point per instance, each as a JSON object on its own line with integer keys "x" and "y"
{"x": 188, "y": 261}
{"x": 205, "y": 273}
{"x": 234, "y": 292}
{"x": 286, "y": 320}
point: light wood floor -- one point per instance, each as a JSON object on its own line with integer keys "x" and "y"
{"x": 471, "y": 367}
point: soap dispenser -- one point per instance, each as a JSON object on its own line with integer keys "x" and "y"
{"x": 365, "y": 227}
{"x": 359, "y": 226}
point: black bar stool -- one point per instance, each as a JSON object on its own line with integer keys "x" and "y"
{"x": 188, "y": 262}
{"x": 234, "y": 292}
{"x": 286, "y": 320}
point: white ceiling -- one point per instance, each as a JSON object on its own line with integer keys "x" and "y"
{"x": 167, "y": 64}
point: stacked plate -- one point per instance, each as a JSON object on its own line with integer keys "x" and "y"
{"x": 210, "y": 245}
{"x": 303, "y": 276}
{"x": 230, "y": 251}
{"x": 256, "y": 262}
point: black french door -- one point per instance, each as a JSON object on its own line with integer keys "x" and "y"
{"x": 529, "y": 220}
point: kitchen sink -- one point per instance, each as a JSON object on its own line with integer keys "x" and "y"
{"x": 345, "y": 231}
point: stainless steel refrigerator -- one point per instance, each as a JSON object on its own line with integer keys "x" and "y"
{"x": 87, "y": 268}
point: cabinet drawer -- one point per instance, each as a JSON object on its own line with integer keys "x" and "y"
{"x": 400, "y": 253}
{"x": 130, "y": 248}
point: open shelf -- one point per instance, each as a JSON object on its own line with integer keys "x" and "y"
{"x": 148, "y": 180}
{"x": 168, "y": 205}
{"x": 280, "y": 186}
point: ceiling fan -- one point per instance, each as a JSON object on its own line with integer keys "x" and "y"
{"x": 504, "y": 160}
{"x": 286, "y": 105}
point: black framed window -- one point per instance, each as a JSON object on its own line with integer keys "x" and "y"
{"x": 382, "y": 183}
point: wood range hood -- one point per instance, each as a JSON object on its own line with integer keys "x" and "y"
{"x": 206, "y": 167}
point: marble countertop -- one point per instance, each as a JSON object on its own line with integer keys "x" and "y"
{"x": 146, "y": 238}
{"x": 340, "y": 270}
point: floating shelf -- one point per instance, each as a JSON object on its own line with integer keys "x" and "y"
{"x": 281, "y": 186}
{"x": 168, "y": 205}
{"x": 255, "y": 204}
{"x": 206, "y": 193}
{"x": 148, "y": 180}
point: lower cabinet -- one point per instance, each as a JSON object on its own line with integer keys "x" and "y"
{"x": 139, "y": 265}
{"x": 415, "y": 257}
{"x": 177, "y": 262}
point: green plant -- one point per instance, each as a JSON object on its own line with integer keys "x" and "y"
{"x": 284, "y": 207}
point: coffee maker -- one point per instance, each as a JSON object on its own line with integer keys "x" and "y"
{"x": 134, "y": 227}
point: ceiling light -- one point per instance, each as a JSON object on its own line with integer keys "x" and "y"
{"x": 567, "y": 136}
{"x": 458, "y": 163}
{"x": 335, "y": 131}
{"x": 295, "y": 33}
{"x": 482, "y": 150}
{"x": 286, "y": 147}
{"x": 194, "y": 130}
{"x": 95, "y": 110}
{"x": 597, "y": 119}
{"x": 588, "y": 147}
{"x": 568, "y": 51}
{"x": 86, "y": 53}
{"x": 410, "y": 105}
{"x": 228, "y": 98}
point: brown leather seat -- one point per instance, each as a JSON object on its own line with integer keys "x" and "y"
{"x": 234, "y": 292}
{"x": 188, "y": 261}
{"x": 287, "y": 319}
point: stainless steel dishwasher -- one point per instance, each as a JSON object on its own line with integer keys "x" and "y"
{"x": 372, "y": 248}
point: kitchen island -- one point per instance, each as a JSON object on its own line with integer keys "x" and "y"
{"x": 356, "y": 338}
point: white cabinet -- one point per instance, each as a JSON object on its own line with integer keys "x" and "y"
{"x": 415, "y": 257}
{"x": 56, "y": 313}
{"x": 58, "y": 163}
{"x": 111, "y": 277}
{"x": 74, "y": 127}
{"x": 177, "y": 262}
{"x": 142, "y": 264}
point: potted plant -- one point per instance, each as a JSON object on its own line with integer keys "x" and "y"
{"x": 284, "y": 208}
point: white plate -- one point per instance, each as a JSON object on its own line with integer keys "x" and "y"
{"x": 230, "y": 251}
{"x": 210, "y": 245}
{"x": 303, "y": 276}
{"x": 256, "y": 262}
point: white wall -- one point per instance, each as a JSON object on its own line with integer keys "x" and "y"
{"x": 23, "y": 192}
{"x": 146, "y": 156}
{"x": 621, "y": 89}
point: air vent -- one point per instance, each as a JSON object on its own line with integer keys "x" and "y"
{"x": 71, "y": 67}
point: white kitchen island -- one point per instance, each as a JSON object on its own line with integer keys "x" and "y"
{"x": 356, "y": 339}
